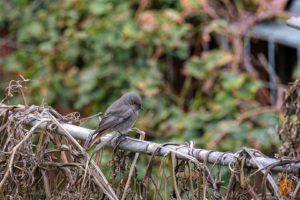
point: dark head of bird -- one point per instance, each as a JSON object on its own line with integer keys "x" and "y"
{"x": 133, "y": 100}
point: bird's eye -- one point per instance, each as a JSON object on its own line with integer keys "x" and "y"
{"x": 134, "y": 103}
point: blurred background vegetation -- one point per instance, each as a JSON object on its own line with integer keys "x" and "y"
{"x": 186, "y": 59}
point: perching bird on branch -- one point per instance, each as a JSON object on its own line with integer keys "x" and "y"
{"x": 120, "y": 116}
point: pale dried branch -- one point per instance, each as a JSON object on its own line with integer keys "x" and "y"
{"x": 146, "y": 147}
{"x": 294, "y": 22}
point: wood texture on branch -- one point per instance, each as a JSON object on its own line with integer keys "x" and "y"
{"x": 147, "y": 147}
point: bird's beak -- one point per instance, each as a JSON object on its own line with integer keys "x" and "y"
{"x": 141, "y": 108}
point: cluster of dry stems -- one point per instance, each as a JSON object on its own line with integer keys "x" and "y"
{"x": 58, "y": 167}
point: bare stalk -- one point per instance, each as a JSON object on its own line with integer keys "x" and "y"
{"x": 142, "y": 137}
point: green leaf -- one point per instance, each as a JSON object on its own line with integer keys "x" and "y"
{"x": 100, "y": 8}
{"x": 201, "y": 67}
{"x": 34, "y": 29}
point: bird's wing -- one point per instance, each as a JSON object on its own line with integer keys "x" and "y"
{"x": 109, "y": 121}
{"x": 112, "y": 119}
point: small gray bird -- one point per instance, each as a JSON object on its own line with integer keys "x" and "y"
{"x": 120, "y": 116}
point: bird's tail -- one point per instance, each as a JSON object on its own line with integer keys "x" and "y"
{"x": 93, "y": 137}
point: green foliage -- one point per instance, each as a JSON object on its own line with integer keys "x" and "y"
{"x": 85, "y": 54}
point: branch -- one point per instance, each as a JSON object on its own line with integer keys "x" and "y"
{"x": 294, "y": 22}
{"x": 146, "y": 147}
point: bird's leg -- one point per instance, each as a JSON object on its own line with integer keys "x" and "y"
{"x": 122, "y": 136}
{"x": 120, "y": 139}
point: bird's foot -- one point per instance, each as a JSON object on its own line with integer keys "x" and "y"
{"x": 122, "y": 137}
